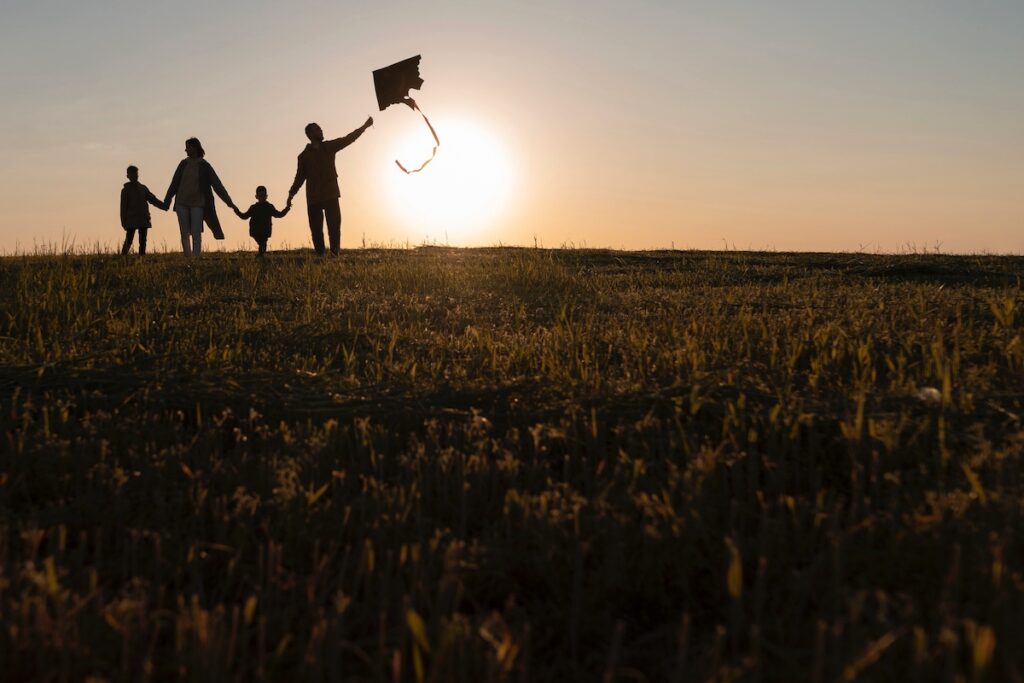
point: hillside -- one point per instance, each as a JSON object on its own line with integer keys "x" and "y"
{"x": 511, "y": 464}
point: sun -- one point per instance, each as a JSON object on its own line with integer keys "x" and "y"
{"x": 461, "y": 193}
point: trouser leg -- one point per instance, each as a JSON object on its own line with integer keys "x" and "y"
{"x": 129, "y": 235}
{"x": 332, "y": 212}
{"x": 263, "y": 247}
{"x": 185, "y": 228}
{"x": 196, "y": 215}
{"x": 316, "y": 227}
{"x": 142, "y": 240}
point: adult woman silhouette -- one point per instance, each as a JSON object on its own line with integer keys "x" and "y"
{"x": 193, "y": 185}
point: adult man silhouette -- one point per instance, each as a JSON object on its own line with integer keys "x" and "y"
{"x": 323, "y": 197}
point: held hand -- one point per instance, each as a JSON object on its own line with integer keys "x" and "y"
{"x": 237, "y": 212}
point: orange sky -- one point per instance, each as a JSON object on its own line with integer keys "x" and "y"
{"x": 644, "y": 125}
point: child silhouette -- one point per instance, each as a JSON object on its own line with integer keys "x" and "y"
{"x": 135, "y": 201}
{"x": 260, "y": 216}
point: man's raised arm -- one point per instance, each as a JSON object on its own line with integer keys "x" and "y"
{"x": 342, "y": 143}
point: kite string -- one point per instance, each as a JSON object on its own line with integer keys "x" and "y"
{"x": 437, "y": 142}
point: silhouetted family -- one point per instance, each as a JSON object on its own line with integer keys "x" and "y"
{"x": 195, "y": 182}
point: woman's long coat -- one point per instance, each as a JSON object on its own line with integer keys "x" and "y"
{"x": 208, "y": 184}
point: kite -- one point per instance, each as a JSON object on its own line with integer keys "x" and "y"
{"x": 393, "y": 84}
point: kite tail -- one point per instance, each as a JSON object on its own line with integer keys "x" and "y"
{"x": 412, "y": 103}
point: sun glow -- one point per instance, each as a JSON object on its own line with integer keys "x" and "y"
{"x": 460, "y": 193}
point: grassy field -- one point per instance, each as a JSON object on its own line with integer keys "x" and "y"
{"x": 512, "y": 465}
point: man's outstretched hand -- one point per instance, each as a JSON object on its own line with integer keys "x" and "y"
{"x": 369, "y": 122}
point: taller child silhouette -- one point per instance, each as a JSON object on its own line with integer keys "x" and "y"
{"x": 323, "y": 197}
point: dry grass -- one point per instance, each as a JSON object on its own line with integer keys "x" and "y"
{"x": 507, "y": 464}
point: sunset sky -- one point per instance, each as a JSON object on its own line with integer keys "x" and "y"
{"x": 877, "y": 124}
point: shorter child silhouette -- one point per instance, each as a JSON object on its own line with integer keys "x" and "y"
{"x": 260, "y": 216}
{"x": 135, "y": 201}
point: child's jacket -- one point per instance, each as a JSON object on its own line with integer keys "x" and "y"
{"x": 135, "y": 201}
{"x": 260, "y": 217}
